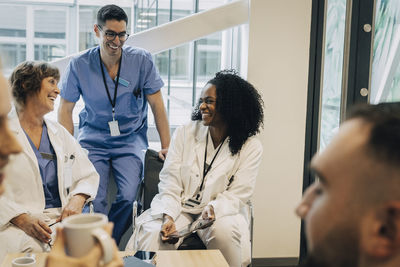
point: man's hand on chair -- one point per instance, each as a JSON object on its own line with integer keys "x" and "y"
{"x": 168, "y": 230}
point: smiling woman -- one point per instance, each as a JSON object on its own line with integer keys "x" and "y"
{"x": 29, "y": 77}
{"x": 209, "y": 173}
{"x": 53, "y": 178}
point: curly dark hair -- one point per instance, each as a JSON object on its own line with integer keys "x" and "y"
{"x": 240, "y": 106}
{"x": 27, "y": 77}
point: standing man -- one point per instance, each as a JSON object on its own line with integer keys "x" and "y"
{"x": 115, "y": 83}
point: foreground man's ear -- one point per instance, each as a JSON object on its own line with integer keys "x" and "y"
{"x": 380, "y": 232}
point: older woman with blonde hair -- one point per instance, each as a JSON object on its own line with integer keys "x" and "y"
{"x": 52, "y": 178}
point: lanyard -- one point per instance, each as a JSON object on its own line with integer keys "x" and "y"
{"x": 205, "y": 168}
{"x": 112, "y": 102}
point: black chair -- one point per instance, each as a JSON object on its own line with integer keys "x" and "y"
{"x": 148, "y": 188}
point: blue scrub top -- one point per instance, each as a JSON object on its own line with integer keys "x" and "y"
{"x": 138, "y": 76}
{"x": 47, "y": 160}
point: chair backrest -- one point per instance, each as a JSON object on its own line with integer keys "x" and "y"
{"x": 152, "y": 167}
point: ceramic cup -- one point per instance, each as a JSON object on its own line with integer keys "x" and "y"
{"x": 23, "y": 262}
{"x": 82, "y": 231}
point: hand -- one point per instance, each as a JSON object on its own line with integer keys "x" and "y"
{"x": 58, "y": 258}
{"x": 74, "y": 206}
{"x": 168, "y": 230}
{"x": 208, "y": 213}
{"x": 33, "y": 227}
{"x": 162, "y": 154}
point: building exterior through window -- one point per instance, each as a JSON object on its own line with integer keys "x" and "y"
{"x": 49, "y": 30}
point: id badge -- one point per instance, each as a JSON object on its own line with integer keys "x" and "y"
{"x": 114, "y": 128}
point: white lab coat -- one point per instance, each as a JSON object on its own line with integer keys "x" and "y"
{"x": 23, "y": 184}
{"x": 182, "y": 174}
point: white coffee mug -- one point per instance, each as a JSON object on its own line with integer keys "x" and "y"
{"x": 24, "y": 262}
{"x": 81, "y": 232}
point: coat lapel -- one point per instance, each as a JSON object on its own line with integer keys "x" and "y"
{"x": 16, "y": 128}
{"x": 200, "y": 144}
{"x": 56, "y": 142}
{"x": 223, "y": 155}
{"x": 54, "y": 139}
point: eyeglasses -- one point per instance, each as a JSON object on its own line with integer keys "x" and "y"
{"x": 111, "y": 35}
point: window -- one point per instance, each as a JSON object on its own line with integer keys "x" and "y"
{"x": 13, "y": 21}
{"x": 11, "y": 55}
{"x": 50, "y": 24}
{"x": 48, "y": 32}
{"x": 385, "y": 76}
{"x": 12, "y": 36}
{"x": 49, "y": 52}
{"x": 332, "y": 70}
{"x": 186, "y": 69}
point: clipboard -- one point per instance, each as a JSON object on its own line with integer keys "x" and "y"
{"x": 191, "y": 228}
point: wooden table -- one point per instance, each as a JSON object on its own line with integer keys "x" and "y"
{"x": 164, "y": 258}
{"x": 192, "y": 258}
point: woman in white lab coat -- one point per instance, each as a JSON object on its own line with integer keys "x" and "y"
{"x": 210, "y": 173}
{"x": 52, "y": 178}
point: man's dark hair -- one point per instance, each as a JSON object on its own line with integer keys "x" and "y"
{"x": 240, "y": 106}
{"x": 110, "y": 12}
{"x": 384, "y": 142}
{"x": 26, "y": 79}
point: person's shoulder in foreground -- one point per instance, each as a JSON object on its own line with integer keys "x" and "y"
{"x": 352, "y": 214}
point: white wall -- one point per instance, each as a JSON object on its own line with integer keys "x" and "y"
{"x": 279, "y": 40}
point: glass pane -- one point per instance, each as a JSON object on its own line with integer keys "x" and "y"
{"x": 207, "y": 4}
{"x": 12, "y": 21}
{"x": 385, "y": 76}
{"x": 50, "y": 23}
{"x": 208, "y": 57}
{"x": 11, "y": 55}
{"x": 163, "y": 11}
{"x": 49, "y": 52}
{"x": 182, "y": 8}
{"x": 180, "y": 63}
{"x": 180, "y": 100}
{"x": 146, "y": 15}
{"x": 332, "y": 70}
{"x": 87, "y": 18}
{"x": 161, "y": 61}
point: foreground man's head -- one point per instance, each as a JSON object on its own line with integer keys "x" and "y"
{"x": 8, "y": 143}
{"x": 352, "y": 214}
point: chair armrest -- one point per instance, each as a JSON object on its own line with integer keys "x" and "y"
{"x": 134, "y": 213}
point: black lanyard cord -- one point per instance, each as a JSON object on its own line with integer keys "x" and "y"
{"x": 205, "y": 168}
{"x": 112, "y": 102}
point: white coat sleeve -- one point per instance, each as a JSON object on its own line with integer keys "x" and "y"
{"x": 84, "y": 178}
{"x": 242, "y": 186}
{"x": 9, "y": 208}
{"x": 170, "y": 188}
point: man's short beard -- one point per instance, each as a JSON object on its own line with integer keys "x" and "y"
{"x": 339, "y": 248}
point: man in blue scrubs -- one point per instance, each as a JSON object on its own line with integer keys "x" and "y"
{"x": 115, "y": 83}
